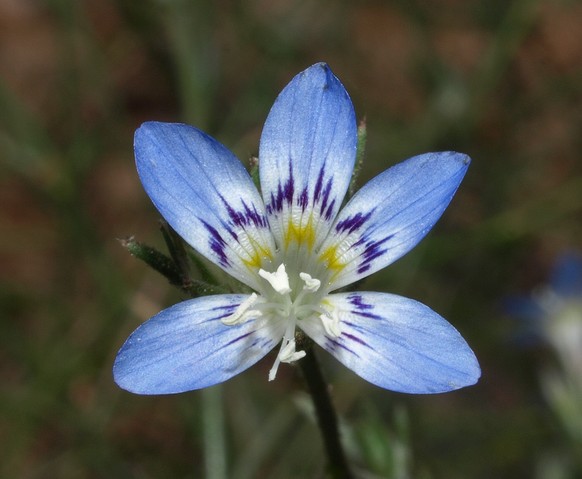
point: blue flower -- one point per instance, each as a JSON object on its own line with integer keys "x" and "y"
{"x": 291, "y": 244}
{"x": 553, "y": 312}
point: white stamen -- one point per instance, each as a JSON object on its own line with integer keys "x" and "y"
{"x": 331, "y": 324}
{"x": 273, "y": 370}
{"x": 278, "y": 280}
{"x": 288, "y": 354}
{"x": 241, "y": 313}
{"x": 311, "y": 284}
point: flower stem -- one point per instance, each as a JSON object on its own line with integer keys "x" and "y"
{"x": 326, "y": 416}
{"x": 213, "y": 427}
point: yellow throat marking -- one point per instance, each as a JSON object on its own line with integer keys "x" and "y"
{"x": 333, "y": 259}
{"x": 300, "y": 233}
{"x": 260, "y": 253}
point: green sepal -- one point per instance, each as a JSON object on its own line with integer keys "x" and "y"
{"x": 254, "y": 171}
{"x": 177, "y": 250}
{"x": 169, "y": 268}
{"x": 153, "y": 258}
{"x": 185, "y": 257}
{"x": 360, "y": 154}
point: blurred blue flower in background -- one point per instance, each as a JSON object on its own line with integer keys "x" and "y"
{"x": 291, "y": 245}
{"x": 563, "y": 292}
{"x": 553, "y": 315}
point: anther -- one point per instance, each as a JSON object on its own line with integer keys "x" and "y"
{"x": 288, "y": 353}
{"x": 241, "y": 313}
{"x": 331, "y": 324}
{"x": 311, "y": 284}
{"x": 278, "y": 280}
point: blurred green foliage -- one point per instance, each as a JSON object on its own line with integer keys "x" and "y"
{"x": 500, "y": 80}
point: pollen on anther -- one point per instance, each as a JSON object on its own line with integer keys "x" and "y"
{"x": 240, "y": 313}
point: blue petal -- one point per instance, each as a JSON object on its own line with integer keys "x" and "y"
{"x": 206, "y": 195}
{"x": 397, "y": 343}
{"x": 391, "y": 214}
{"x": 187, "y": 347}
{"x": 306, "y": 156}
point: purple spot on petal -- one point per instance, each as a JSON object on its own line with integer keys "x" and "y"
{"x": 353, "y": 223}
{"x": 358, "y": 302}
{"x": 325, "y": 196}
{"x": 318, "y": 186}
{"x": 362, "y": 309}
{"x": 373, "y": 250}
{"x": 289, "y": 187}
{"x": 285, "y": 192}
{"x": 217, "y": 244}
{"x": 321, "y": 195}
{"x": 357, "y": 340}
{"x": 227, "y": 307}
{"x": 364, "y": 314}
{"x": 363, "y": 268}
{"x": 303, "y": 199}
{"x": 329, "y": 212}
{"x": 332, "y": 344}
{"x": 232, "y": 341}
{"x": 248, "y": 216}
{"x": 261, "y": 343}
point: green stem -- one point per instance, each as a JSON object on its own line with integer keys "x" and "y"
{"x": 214, "y": 441}
{"x": 326, "y": 416}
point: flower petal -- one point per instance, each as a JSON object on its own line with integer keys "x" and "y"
{"x": 187, "y": 347}
{"x": 306, "y": 156}
{"x": 396, "y": 343}
{"x": 206, "y": 195}
{"x": 391, "y": 214}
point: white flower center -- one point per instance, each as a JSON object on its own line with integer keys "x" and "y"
{"x": 280, "y": 303}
